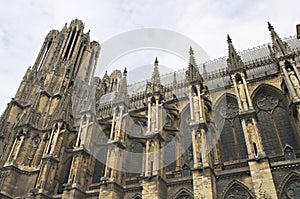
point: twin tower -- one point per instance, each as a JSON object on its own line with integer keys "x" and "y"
{"x": 226, "y": 133}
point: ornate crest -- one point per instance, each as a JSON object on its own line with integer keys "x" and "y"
{"x": 229, "y": 110}
{"x": 267, "y": 102}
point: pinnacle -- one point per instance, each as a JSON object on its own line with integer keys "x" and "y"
{"x": 125, "y": 72}
{"x": 156, "y": 61}
{"x": 155, "y": 74}
{"x": 229, "y": 40}
{"x": 191, "y": 51}
{"x": 270, "y": 27}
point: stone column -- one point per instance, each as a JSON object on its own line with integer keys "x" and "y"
{"x": 19, "y": 147}
{"x": 237, "y": 92}
{"x": 149, "y": 116}
{"x": 55, "y": 139}
{"x": 120, "y": 121}
{"x": 83, "y": 142}
{"x": 113, "y": 124}
{"x": 154, "y": 188}
{"x": 247, "y": 91}
{"x": 200, "y": 104}
{"x": 147, "y": 169}
{"x": 12, "y": 149}
{"x": 79, "y": 132}
{"x": 156, "y": 113}
{"x": 191, "y": 103}
{"x": 262, "y": 178}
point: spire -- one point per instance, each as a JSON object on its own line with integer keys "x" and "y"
{"x": 122, "y": 94}
{"x": 193, "y": 74}
{"x": 279, "y": 46}
{"x": 204, "y": 71}
{"x": 174, "y": 80}
{"x": 234, "y": 61}
{"x": 192, "y": 60}
{"x": 229, "y": 40}
{"x": 155, "y": 75}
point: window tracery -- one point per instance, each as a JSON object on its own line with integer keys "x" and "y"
{"x": 274, "y": 121}
{"x": 232, "y": 142}
{"x": 292, "y": 190}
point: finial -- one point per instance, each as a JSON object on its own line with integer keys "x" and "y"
{"x": 125, "y": 72}
{"x": 191, "y": 50}
{"x": 229, "y": 40}
{"x": 156, "y": 61}
{"x": 204, "y": 68}
{"x": 270, "y": 26}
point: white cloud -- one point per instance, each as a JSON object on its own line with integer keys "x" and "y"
{"x": 24, "y": 24}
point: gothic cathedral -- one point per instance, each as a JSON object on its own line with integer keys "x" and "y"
{"x": 232, "y": 132}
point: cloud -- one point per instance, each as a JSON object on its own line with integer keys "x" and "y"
{"x": 24, "y": 24}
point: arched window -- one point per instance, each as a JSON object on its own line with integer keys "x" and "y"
{"x": 134, "y": 160}
{"x": 237, "y": 190}
{"x": 99, "y": 168}
{"x": 64, "y": 175}
{"x": 137, "y": 196}
{"x": 170, "y": 153}
{"x": 186, "y": 137}
{"x": 183, "y": 194}
{"x": 232, "y": 141}
{"x": 290, "y": 186}
{"x": 274, "y": 121}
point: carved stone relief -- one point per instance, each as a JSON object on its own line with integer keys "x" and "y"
{"x": 230, "y": 110}
{"x": 267, "y": 102}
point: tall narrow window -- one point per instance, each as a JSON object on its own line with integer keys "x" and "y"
{"x": 274, "y": 121}
{"x": 170, "y": 153}
{"x": 232, "y": 141}
{"x": 134, "y": 160}
{"x": 45, "y": 55}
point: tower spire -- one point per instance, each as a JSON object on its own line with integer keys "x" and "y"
{"x": 193, "y": 73}
{"x": 204, "y": 71}
{"x": 192, "y": 60}
{"x": 279, "y": 46}
{"x": 234, "y": 60}
{"x": 122, "y": 94}
{"x": 155, "y": 75}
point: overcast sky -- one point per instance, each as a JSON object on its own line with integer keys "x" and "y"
{"x": 24, "y": 25}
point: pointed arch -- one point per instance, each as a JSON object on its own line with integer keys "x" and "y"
{"x": 290, "y": 186}
{"x": 232, "y": 141}
{"x": 134, "y": 160}
{"x": 275, "y": 121}
{"x": 236, "y": 190}
{"x": 184, "y": 193}
{"x": 64, "y": 173}
{"x": 100, "y": 164}
{"x": 137, "y": 196}
{"x": 268, "y": 87}
{"x": 223, "y": 97}
{"x": 185, "y": 136}
{"x": 170, "y": 153}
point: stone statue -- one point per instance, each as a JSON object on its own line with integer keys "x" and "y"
{"x": 251, "y": 135}
{"x": 295, "y": 81}
{"x": 242, "y": 95}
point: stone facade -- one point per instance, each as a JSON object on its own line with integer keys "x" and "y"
{"x": 229, "y": 131}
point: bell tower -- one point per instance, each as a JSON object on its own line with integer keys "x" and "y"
{"x": 40, "y": 128}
